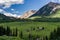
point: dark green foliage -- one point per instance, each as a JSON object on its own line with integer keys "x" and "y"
{"x": 46, "y": 38}
{"x": 33, "y": 28}
{"x": 55, "y": 35}
{"x": 58, "y": 31}
{"x": 8, "y": 31}
{"x": 2, "y": 30}
{"x": 30, "y": 36}
{"x": 21, "y": 34}
{"x": 47, "y": 20}
{"x": 15, "y": 32}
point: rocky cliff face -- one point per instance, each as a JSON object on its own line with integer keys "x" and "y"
{"x": 28, "y": 14}
{"x": 47, "y": 9}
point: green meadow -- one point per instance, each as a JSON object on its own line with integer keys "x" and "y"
{"x": 26, "y": 28}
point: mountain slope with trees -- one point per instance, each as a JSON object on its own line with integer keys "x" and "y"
{"x": 47, "y": 11}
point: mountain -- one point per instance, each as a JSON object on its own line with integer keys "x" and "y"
{"x": 4, "y": 18}
{"x": 49, "y": 10}
{"x": 28, "y": 14}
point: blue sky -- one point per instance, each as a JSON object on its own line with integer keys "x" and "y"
{"x": 24, "y": 6}
{"x": 28, "y": 5}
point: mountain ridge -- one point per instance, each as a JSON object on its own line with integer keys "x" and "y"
{"x": 47, "y": 10}
{"x": 28, "y": 14}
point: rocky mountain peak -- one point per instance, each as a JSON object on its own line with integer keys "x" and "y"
{"x": 47, "y": 9}
{"x": 28, "y": 14}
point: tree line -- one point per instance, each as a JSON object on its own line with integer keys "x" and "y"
{"x": 55, "y": 35}
{"x": 7, "y": 31}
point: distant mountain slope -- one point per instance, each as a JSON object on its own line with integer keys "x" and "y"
{"x": 56, "y": 14}
{"x": 47, "y": 10}
{"x": 28, "y": 14}
{"x": 4, "y": 18}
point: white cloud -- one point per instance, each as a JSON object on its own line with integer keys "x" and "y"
{"x": 12, "y": 15}
{"x": 57, "y": 1}
{"x": 1, "y": 10}
{"x": 9, "y": 14}
{"x": 8, "y": 3}
{"x": 12, "y": 9}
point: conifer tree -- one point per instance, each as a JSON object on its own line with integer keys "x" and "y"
{"x": 21, "y": 34}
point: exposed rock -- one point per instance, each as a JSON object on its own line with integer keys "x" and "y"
{"x": 28, "y": 14}
{"x": 47, "y": 9}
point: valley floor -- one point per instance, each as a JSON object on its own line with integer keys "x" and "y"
{"x": 35, "y": 28}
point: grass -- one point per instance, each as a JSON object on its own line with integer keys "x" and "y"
{"x": 56, "y": 14}
{"x": 23, "y": 26}
{"x": 9, "y": 38}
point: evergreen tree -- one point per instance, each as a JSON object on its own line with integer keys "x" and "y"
{"x": 16, "y": 32}
{"x": 58, "y": 31}
{"x": 1, "y": 30}
{"x": 51, "y": 36}
{"x": 55, "y": 35}
{"x": 21, "y": 35}
{"x": 46, "y": 38}
{"x": 30, "y": 37}
{"x": 8, "y": 31}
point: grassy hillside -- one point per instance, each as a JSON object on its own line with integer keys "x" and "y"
{"x": 56, "y": 14}
{"x": 4, "y": 18}
{"x": 53, "y": 15}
